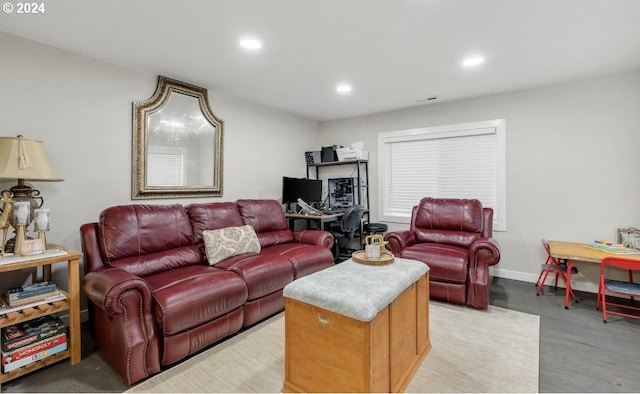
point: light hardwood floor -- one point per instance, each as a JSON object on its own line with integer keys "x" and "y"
{"x": 578, "y": 352}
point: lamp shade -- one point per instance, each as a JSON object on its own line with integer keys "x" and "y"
{"x": 21, "y": 158}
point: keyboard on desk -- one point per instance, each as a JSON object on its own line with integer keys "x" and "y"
{"x": 333, "y": 211}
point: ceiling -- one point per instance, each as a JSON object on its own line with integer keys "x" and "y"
{"x": 395, "y": 53}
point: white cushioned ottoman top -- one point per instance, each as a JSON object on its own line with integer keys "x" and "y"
{"x": 356, "y": 290}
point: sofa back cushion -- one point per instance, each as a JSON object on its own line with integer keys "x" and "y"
{"x": 456, "y": 222}
{"x": 146, "y": 239}
{"x": 267, "y": 218}
{"x": 212, "y": 216}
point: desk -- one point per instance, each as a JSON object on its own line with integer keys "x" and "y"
{"x": 321, "y": 219}
{"x": 576, "y": 251}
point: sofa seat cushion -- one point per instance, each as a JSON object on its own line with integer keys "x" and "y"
{"x": 447, "y": 263}
{"x": 305, "y": 259}
{"x": 263, "y": 273}
{"x": 152, "y": 263}
{"x": 187, "y": 297}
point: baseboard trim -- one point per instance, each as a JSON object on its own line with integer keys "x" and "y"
{"x": 586, "y": 287}
{"x": 515, "y": 275}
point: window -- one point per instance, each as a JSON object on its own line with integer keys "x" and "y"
{"x": 167, "y": 167}
{"x": 455, "y": 161}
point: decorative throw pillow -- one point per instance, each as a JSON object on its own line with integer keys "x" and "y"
{"x": 629, "y": 237}
{"x": 230, "y": 241}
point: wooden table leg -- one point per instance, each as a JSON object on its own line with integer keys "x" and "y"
{"x": 74, "y": 311}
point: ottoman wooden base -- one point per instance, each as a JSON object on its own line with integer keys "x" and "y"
{"x": 329, "y": 352}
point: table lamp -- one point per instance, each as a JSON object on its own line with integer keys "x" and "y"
{"x": 24, "y": 159}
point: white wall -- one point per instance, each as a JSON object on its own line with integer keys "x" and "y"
{"x": 571, "y": 149}
{"x": 81, "y": 109}
{"x": 572, "y": 163}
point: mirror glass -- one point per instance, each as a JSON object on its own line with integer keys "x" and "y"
{"x": 177, "y": 144}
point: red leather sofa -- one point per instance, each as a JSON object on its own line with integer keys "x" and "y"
{"x": 454, "y": 238}
{"x": 154, "y": 299}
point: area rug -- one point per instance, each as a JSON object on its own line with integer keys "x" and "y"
{"x": 476, "y": 351}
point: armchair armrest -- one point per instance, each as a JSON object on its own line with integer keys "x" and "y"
{"x": 399, "y": 240}
{"x": 314, "y": 237}
{"x": 485, "y": 251}
{"x": 106, "y": 287}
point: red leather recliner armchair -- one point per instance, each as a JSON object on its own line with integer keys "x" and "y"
{"x": 454, "y": 238}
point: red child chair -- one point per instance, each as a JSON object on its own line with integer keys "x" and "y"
{"x": 618, "y": 287}
{"x": 553, "y": 265}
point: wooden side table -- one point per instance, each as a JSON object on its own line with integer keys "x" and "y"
{"x": 71, "y": 304}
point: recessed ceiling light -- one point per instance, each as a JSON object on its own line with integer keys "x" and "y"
{"x": 472, "y": 61}
{"x": 343, "y": 88}
{"x": 250, "y": 43}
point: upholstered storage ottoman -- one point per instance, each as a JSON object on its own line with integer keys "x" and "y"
{"x": 356, "y": 328}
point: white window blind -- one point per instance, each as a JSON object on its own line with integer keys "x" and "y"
{"x": 165, "y": 169}
{"x": 457, "y": 161}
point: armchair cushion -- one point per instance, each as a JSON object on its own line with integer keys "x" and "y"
{"x": 230, "y": 241}
{"x": 454, "y": 222}
{"x": 448, "y": 263}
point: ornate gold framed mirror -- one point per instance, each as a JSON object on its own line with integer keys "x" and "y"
{"x": 177, "y": 144}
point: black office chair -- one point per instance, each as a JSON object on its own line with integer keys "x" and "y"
{"x": 350, "y": 223}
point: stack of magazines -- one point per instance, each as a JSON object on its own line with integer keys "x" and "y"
{"x": 27, "y": 342}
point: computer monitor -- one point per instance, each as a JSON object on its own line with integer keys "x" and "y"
{"x": 310, "y": 190}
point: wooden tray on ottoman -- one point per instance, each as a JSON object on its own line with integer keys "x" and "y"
{"x": 361, "y": 257}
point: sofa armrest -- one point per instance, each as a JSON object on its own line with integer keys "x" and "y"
{"x": 314, "y": 237}
{"x": 106, "y": 287}
{"x": 123, "y": 325}
{"x": 485, "y": 251}
{"x": 398, "y": 240}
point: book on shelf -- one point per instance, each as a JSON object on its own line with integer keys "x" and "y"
{"x": 6, "y": 308}
{"x": 30, "y": 300}
{"x": 31, "y": 331}
{"x": 34, "y": 348}
{"x": 35, "y": 357}
{"x": 35, "y": 289}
